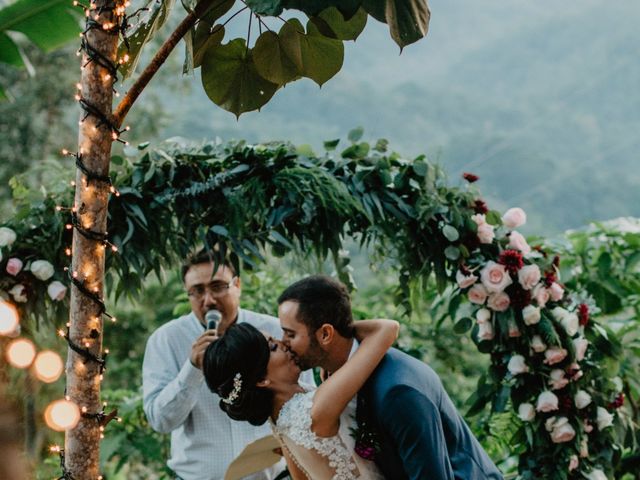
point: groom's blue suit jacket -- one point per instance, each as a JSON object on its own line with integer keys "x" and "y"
{"x": 421, "y": 434}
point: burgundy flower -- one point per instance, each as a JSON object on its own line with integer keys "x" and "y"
{"x": 549, "y": 278}
{"x": 583, "y": 314}
{"x": 368, "y": 453}
{"x": 512, "y": 260}
{"x": 479, "y": 206}
{"x": 470, "y": 177}
{"x": 618, "y": 402}
{"x": 519, "y": 297}
{"x": 566, "y": 403}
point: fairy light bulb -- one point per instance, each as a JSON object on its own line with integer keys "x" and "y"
{"x": 21, "y": 352}
{"x": 62, "y": 415}
{"x": 9, "y": 319}
{"x": 48, "y": 366}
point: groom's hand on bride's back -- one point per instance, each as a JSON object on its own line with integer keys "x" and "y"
{"x": 200, "y": 346}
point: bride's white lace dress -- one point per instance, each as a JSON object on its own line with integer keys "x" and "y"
{"x": 321, "y": 458}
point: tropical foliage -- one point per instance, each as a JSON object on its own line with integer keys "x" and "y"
{"x": 249, "y": 199}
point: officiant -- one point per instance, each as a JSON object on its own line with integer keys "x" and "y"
{"x": 204, "y": 440}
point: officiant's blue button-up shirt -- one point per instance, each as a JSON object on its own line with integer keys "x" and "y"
{"x": 204, "y": 440}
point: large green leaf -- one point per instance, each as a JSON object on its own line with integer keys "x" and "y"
{"x": 408, "y": 20}
{"x": 157, "y": 17}
{"x": 316, "y": 56}
{"x": 272, "y": 61}
{"x": 47, "y": 23}
{"x": 207, "y": 33}
{"x": 10, "y": 52}
{"x": 332, "y": 23}
{"x": 230, "y": 78}
{"x": 203, "y": 40}
{"x": 266, "y": 7}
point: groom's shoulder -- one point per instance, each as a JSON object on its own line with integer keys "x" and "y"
{"x": 398, "y": 367}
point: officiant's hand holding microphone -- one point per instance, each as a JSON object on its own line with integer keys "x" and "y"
{"x": 211, "y": 318}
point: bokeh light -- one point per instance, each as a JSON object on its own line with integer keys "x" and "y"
{"x": 9, "y": 319}
{"x": 21, "y": 352}
{"x": 62, "y": 415}
{"x": 48, "y": 366}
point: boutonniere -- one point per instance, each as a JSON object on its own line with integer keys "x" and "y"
{"x": 367, "y": 444}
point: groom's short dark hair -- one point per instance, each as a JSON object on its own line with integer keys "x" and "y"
{"x": 321, "y": 299}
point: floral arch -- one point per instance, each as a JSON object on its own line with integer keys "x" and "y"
{"x": 546, "y": 350}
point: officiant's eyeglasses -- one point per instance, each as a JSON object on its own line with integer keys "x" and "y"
{"x": 215, "y": 290}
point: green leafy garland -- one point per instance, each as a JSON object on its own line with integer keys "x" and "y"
{"x": 546, "y": 352}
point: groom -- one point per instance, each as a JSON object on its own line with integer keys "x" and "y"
{"x": 420, "y": 433}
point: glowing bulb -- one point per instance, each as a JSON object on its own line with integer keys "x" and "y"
{"x": 62, "y": 415}
{"x": 48, "y": 366}
{"x": 54, "y": 448}
{"x": 65, "y": 151}
{"x": 61, "y": 333}
{"x": 68, "y": 251}
{"x": 9, "y": 319}
{"x": 21, "y": 353}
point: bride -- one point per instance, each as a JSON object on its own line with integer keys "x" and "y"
{"x": 257, "y": 380}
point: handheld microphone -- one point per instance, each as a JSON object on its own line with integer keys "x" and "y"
{"x": 211, "y": 318}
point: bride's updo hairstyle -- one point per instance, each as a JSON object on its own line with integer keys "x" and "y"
{"x": 242, "y": 350}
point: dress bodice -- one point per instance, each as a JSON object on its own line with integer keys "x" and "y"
{"x": 320, "y": 458}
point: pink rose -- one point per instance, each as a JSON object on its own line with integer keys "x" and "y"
{"x": 554, "y": 355}
{"x": 529, "y": 276}
{"x": 574, "y": 371}
{"x": 477, "y": 294}
{"x": 556, "y": 292}
{"x": 465, "y": 281}
{"x": 557, "y": 379}
{"x": 562, "y": 431}
{"x": 14, "y": 265}
{"x": 518, "y": 242}
{"x": 588, "y": 428}
{"x": 479, "y": 218}
{"x": 517, "y": 365}
{"x": 580, "y": 344}
{"x": 573, "y": 463}
{"x": 514, "y": 218}
{"x": 495, "y": 277}
{"x": 547, "y": 402}
{"x": 56, "y": 290}
{"x": 541, "y": 295}
{"x": 486, "y": 233}
{"x": 499, "y": 302}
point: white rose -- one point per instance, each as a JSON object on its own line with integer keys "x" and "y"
{"x": 526, "y": 412}
{"x": 518, "y": 242}
{"x": 580, "y": 344}
{"x": 495, "y": 277}
{"x": 529, "y": 276}
{"x": 483, "y": 315}
{"x": 562, "y": 431}
{"x": 537, "y": 344}
{"x": 605, "y": 419}
{"x": 19, "y": 293}
{"x": 549, "y": 423}
{"x": 7, "y": 237}
{"x": 42, "y": 270}
{"x": 517, "y": 365}
{"x": 559, "y": 313}
{"x": 56, "y": 290}
{"x": 596, "y": 474}
{"x": 558, "y": 379}
{"x": 547, "y": 402}
{"x": 571, "y": 324}
{"x": 485, "y": 331}
{"x": 582, "y": 399}
{"x": 531, "y": 315}
{"x": 541, "y": 295}
{"x": 465, "y": 281}
{"x": 514, "y": 218}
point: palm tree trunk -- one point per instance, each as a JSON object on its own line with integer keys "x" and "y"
{"x": 91, "y": 200}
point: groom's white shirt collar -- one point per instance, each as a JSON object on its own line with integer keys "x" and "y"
{"x": 354, "y": 348}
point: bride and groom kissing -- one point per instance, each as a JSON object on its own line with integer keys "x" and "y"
{"x": 404, "y": 423}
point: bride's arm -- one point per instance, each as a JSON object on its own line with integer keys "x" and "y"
{"x": 334, "y": 395}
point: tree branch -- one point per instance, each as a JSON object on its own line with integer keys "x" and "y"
{"x": 159, "y": 58}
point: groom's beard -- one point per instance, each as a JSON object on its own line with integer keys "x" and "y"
{"x": 315, "y": 356}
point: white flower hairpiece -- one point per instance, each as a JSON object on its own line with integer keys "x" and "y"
{"x": 235, "y": 392}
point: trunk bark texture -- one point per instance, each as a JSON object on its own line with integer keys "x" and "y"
{"x": 82, "y": 443}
